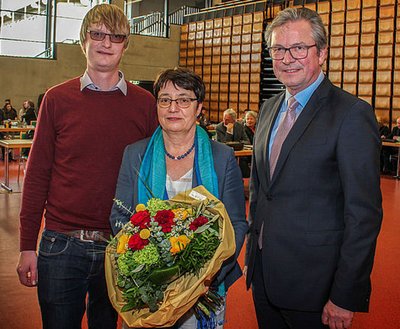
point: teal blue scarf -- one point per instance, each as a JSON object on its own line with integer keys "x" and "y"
{"x": 152, "y": 173}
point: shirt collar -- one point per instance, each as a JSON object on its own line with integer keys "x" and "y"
{"x": 86, "y": 82}
{"x": 304, "y": 96}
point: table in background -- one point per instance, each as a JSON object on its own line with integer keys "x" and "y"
{"x": 243, "y": 153}
{"x": 8, "y": 144}
{"x": 394, "y": 144}
{"x": 16, "y": 129}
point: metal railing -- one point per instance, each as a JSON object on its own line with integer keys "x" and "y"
{"x": 153, "y": 24}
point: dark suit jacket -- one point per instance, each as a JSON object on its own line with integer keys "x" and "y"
{"x": 395, "y": 132}
{"x": 322, "y": 208}
{"x": 231, "y": 193}
{"x": 238, "y": 133}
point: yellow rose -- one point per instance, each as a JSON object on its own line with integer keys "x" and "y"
{"x": 122, "y": 243}
{"x": 140, "y": 207}
{"x": 180, "y": 213}
{"x": 178, "y": 243}
{"x": 144, "y": 234}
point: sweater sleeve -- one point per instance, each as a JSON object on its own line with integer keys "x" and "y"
{"x": 38, "y": 175}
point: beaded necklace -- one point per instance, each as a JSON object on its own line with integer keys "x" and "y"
{"x": 179, "y": 157}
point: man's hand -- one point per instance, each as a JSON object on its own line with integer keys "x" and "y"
{"x": 245, "y": 271}
{"x": 336, "y": 317}
{"x": 27, "y": 268}
{"x": 229, "y": 128}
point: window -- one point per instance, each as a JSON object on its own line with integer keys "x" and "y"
{"x": 27, "y": 26}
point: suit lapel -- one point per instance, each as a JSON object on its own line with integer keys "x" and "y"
{"x": 306, "y": 116}
{"x": 263, "y": 135}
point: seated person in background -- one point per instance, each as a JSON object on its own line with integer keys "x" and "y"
{"x": 387, "y": 151}
{"x": 202, "y": 118}
{"x": 229, "y": 130}
{"x": 395, "y": 134}
{"x": 203, "y": 122}
{"x": 250, "y": 125}
{"x": 23, "y": 109}
{"x": 30, "y": 113}
{"x": 384, "y": 130}
{"x": 9, "y": 112}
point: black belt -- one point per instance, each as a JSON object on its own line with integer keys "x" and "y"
{"x": 87, "y": 235}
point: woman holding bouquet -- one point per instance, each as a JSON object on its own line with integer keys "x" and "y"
{"x": 178, "y": 157}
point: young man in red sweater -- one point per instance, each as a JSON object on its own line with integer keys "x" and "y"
{"x": 83, "y": 128}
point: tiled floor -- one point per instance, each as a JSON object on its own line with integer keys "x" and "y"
{"x": 19, "y": 307}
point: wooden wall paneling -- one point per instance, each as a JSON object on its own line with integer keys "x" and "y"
{"x": 335, "y": 65}
{"x": 367, "y": 51}
{"x": 396, "y": 102}
{"x": 353, "y": 4}
{"x": 367, "y": 64}
{"x": 192, "y": 27}
{"x": 312, "y": 6}
{"x": 352, "y": 15}
{"x": 383, "y": 89}
{"x": 183, "y": 45}
{"x": 382, "y": 102}
{"x": 247, "y": 18}
{"x": 351, "y": 52}
{"x": 368, "y": 3}
{"x": 237, "y": 20}
{"x": 350, "y": 87}
{"x": 336, "y": 53}
{"x": 325, "y": 19}
{"x": 335, "y": 77}
{"x": 366, "y": 77}
{"x": 350, "y": 77}
{"x": 353, "y": 28}
{"x": 368, "y": 26}
{"x": 323, "y": 7}
{"x": 337, "y": 29}
{"x": 336, "y": 41}
{"x": 369, "y": 14}
{"x": 351, "y": 40}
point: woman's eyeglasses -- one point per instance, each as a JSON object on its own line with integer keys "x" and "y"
{"x": 100, "y": 36}
{"x": 183, "y": 102}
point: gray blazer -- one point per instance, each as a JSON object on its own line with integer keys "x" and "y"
{"x": 322, "y": 208}
{"x": 231, "y": 193}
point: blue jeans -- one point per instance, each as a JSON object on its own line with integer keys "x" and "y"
{"x": 68, "y": 270}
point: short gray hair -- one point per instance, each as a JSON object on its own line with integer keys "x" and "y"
{"x": 231, "y": 112}
{"x": 252, "y": 113}
{"x": 296, "y": 14}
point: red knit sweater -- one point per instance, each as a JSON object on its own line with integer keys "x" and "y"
{"x": 76, "y": 154}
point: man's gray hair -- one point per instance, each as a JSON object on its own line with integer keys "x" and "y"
{"x": 296, "y": 14}
{"x": 231, "y": 112}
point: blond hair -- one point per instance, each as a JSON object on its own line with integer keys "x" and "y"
{"x": 111, "y": 16}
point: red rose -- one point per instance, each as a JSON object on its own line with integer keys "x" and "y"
{"x": 165, "y": 218}
{"x": 199, "y": 221}
{"x": 136, "y": 242}
{"x": 141, "y": 219}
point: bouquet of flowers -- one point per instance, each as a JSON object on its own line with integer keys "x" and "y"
{"x": 165, "y": 257}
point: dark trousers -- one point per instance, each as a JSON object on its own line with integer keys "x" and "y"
{"x": 68, "y": 270}
{"x": 270, "y": 316}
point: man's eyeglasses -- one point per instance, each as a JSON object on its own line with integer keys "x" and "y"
{"x": 183, "y": 102}
{"x": 297, "y": 52}
{"x": 100, "y": 36}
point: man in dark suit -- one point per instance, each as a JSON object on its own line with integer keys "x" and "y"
{"x": 229, "y": 130}
{"x": 315, "y": 200}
